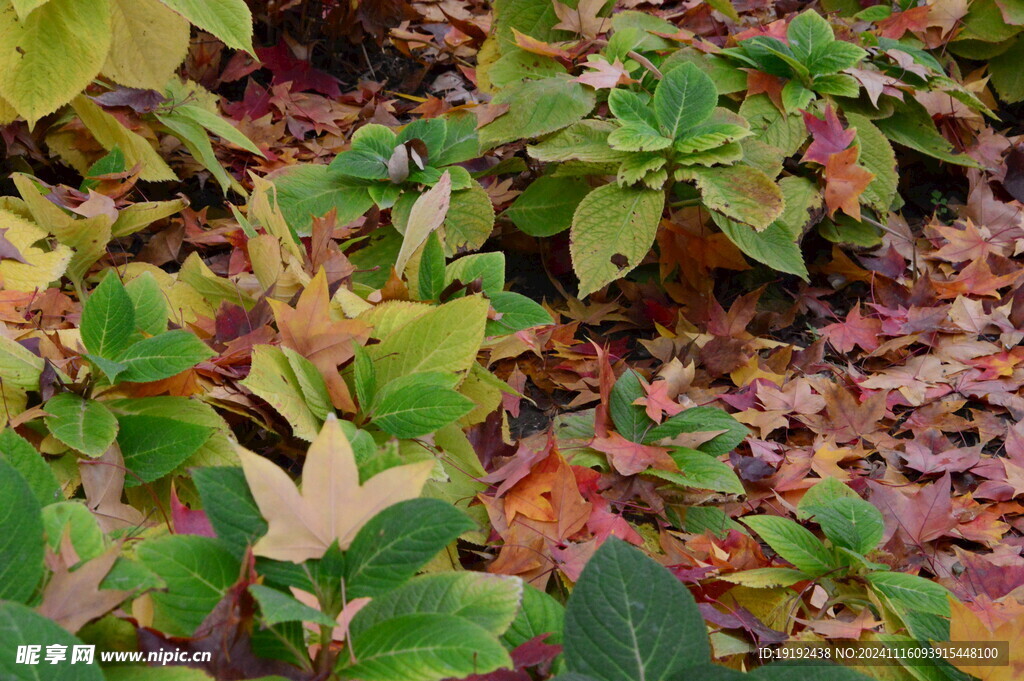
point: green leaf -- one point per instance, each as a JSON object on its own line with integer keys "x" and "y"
{"x": 20, "y": 626}
{"x": 489, "y": 268}
{"x": 395, "y": 543}
{"x": 444, "y": 339}
{"x": 307, "y": 191}
{"x": 684, "y": 99}
{"x": 108, "y": 318}
{"x": 851, "y": 523}
{"x": 229, "y": 505}
{"x": 774, "y": 246}
{"x": 218, "y": 126}
{"x": 631, "y": 420}
{"x": 839, "y": 56}
{"x": 702, "y": 420}
{"x": 163, "y": 356}
{"x": 912, "y": 126}
{"x": 430, "y": 276}
{"x": 52, "y": 54}
{"x": 638, "y": 137}
{"x": 911, "y": 593}
{"x": 21, "y": 537}
{"x": 793, "y": 542}
{"x": 547, "y": 205}
{"x": 700, "y": 471}
{"x": 784, "y": 131}
{"x": 741, "y": 193}
{"x": 469, "y": 221}
{"x": 229, "y": 20}
{"x": 279, "y": 607}
{"x": 154, "y": 445}
{"x": 795, "y": 96}
{"x": 84, "y": 425}
{"x": 1007, "y": 76}
{"x": 24, "y": 458}
{"x": 822, "y": 494}
{"x": 198, "y": 571}
{"x": 76, "y": 520}
{"x": 878, "y": 157}
{"x": 537, "y": 107}
{"x": 840, "y": 84}
{"x": 613, "y": 229}
{"x": 424, "y": 647}
{"x": 538, "y": 614}
{"x": 488, "y": 601}
{"x": 461, "y": 142}
{"x": 365, "y": 375}
{"x": 517, "y": 313}
{"x": 765, "y": 578}
{"x": 629, "y": 619}
{"x": 149, "y": 304}
{"x": 418, "y": 404}
{"x": 367, "y": 158}
{"x": 810, "y": 36}
{"x": 583, "y": 141}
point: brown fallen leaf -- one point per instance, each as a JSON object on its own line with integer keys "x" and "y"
{"x": 103, "y": 482}
{"x": 72, "y": 598}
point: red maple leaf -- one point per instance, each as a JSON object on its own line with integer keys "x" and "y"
{"x": 630, "y": 458}
{"x": 856, "y": 330}
{"x": 845, "y": 181}
{"x": 828, "y": 135}
{"x": 657, "y": 400}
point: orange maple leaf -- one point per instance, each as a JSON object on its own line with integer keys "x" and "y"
{"x": 845, "y": 181}
{"x": 657, "y": 400}
{"x": 309, "y": 329}
{"x": 630, "y": 458}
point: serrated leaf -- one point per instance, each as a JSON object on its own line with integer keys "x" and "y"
{"x": 163, "y": 356}
{"x": 148, "y": 42}
{"x": 278, "y": 607}
{"x": 153, "y": 446}
{"x": 424, "y": 647}
{"x": 469, "y": 221}
{"x": 702, "y": 419}
{"x": 445, "y": 339}
{"x": 307, "y": 191}
{"x": 740, "y": 193}
{"x": 538, "y": 614}
{"x": 793, "y": 542}
{"x": 41, "y": 266}
{"x": 583, "y": 141}
{"x": 517, "y": 314}
{"x": 547, "y": 205}
{"x": 418, "y": 404}
{"x": 911, "y": 593}
{"x": 851, "y": 523}
{"x": 631, "y": 421}
{"x": 52, "y": 54}
{"x": 700, "y": 471}
{"x": 229, "y": 20}
{"x": 229, "y": 506}
{"x": 809, "y": 36}
{"x": 685, "y": 98}
{"x": 625, "y": 591}
{"x": 273, "y": 379}
{"x": 878, "y": 158}
{"x": 149, "y": 303}
{"x": 393, "y": 545}
{"x": 612, "y": 221}
{"x": 537, "y": 107}
{"x": 774, "y": 246}
{"x": 84, "y": 425}
{"x": 218, "y": 126}
{"x": 24, "y": 458}
{"x": 197, "y": 571}
{"x": 765, "y": 578}
{"x": 21, "y": 537}
{"x": 912, "y": 126}
{"x": 22, "y": 626}
{"x": 108, "y": 318}
{"x": 489, "y": 601}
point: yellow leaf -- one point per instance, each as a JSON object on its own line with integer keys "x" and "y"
{"x": 965, "y": 625}
{"x": 332, "y": 504}
{"x": 41, "y": 266}
{"x": 7, "y": 112}
{"x": 140, "y": 215}
{"x": 149, "y": 42}
{"x": 52, "y": 55}
{"x": 263, "y": 209}
{"x": 110, "y": 133}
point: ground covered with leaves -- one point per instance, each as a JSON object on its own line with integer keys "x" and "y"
{"x": 505, "y": 341}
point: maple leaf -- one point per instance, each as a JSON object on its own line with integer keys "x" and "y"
{"x": 605, "y": 75}
{"x": 914, "y": 20}
{"x": 856, "y": 330}
{"x": 103, "y": 483}
{"x": 657, "y": 402}
{"x": 977, "y": 279}
{"x": 332, "y": 504}
{"x": 919, "y": 518}
{"x": 965, "y": 625}
{"x": 309, "y": 329}
{"x": 582, "y": 20}
{"x": 829, "y": 136}
{"x": 630, "y": 458}
{"x": 72, "y": 598}
{"x": 962, "y": 245}
{"x": 845, "y": 181}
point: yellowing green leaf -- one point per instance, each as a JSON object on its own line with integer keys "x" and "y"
{"x": 274, "y": 381}
{"x": 332, "y": 505}
{"x": 149, "y": 42}
{"x": 229, "y": 20}
{"x": 612, "y": 230}
{"x": 742, "y": 193}
{"x": 110, "y": 133}
{"x": 444, "y": 339}
{"x": 52, "y": 54}
{"x": 426, "y": 215}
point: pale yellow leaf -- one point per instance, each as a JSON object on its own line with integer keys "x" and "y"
{"x": 149, "y": 42}
{"x": 110, "y": 133}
